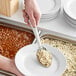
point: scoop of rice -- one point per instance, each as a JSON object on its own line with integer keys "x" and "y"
{"x": 44, "y": 57}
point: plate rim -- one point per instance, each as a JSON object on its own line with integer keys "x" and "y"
{"x": 55, "y": 9}
{"x": 69, "y": 21}
{"x": 66, "y": 10}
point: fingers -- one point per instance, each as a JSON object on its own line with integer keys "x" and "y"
{"x": 32, "y": 19}
{"x": 37, "y": 16}
{"x": 26, "y": 18}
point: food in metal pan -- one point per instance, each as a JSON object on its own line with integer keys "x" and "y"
{"x": 11, "y": 40}
{"x": 69, "y": 51}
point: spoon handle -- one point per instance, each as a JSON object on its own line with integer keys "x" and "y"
{"x": 35, "y": 30}
{"x": 37, "y": 36}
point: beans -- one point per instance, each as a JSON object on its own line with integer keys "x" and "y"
{"x": 12, "y": 40}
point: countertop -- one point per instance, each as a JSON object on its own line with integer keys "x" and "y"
{"x": 57, "y": 26}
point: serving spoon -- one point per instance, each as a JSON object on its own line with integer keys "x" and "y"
{"x": 35, "y": 31}
{"x": 43, "y": 55}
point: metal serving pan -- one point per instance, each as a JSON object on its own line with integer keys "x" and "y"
{"x": 44, "y": 34}
{"x": 3, "y": 72}
{"x": 16, "y": 26}
{"x": 65, "y": 46}
{"x": 6, "y": 73}
{"x": 47, "y": 34}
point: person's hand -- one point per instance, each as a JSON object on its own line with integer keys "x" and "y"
{"x": 31, "y": 12}
{"x": 9, "y": 65}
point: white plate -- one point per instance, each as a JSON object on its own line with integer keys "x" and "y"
{"x": 70, "y": 8}
{"x": 49, "y": 9}
{"x": 69, "y": 20}
{"x": 27, "y": 63}
{"x": 46, "y": 5}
